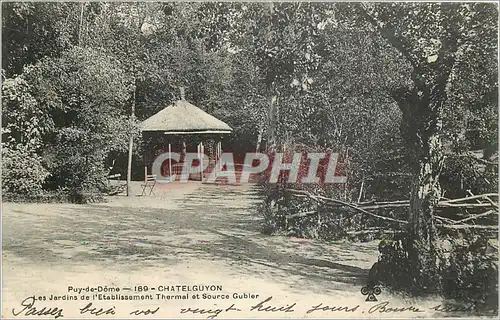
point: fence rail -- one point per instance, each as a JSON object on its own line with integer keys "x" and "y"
{"x": 487, "y": 202}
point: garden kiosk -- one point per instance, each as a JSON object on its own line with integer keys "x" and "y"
{"x": 180, "y": 122}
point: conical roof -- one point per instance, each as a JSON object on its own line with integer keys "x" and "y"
{"x": 183, "y": 118}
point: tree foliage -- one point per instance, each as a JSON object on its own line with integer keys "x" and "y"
{"x": 70, "y": 112}
{"x": 310, "y": 73}
{"x": 407, "y": 93}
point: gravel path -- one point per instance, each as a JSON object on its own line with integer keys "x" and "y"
{"x": 187, "y": 234}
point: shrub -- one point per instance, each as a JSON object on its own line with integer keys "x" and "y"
{"x": 70, "y": 110}
{"x": 392, "y": 268}
{"x": 81, "y": 177}
{"x": 22, "y": 172}
{"x": 273, "y": 210}
{"x": 471, "y": 273}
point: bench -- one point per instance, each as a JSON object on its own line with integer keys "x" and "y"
{"x": 149, "y": 182}
{"x": 112, "y": 176}
{"x": 117, "y": 188}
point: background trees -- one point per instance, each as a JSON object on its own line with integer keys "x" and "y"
{"x": 406, "y": 92}
{"x": 70, "y": 112}
{"x": 435, "y": 39}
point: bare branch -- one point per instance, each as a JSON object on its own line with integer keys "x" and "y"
{"x": 487, "y": 213}
{"x": 355, "y": 233}
{"x": 479, "y": 196}
{"x": 346, "y": 204}
{"x": 301, "y": 214}
{"x": 465, "y": 205}
{"x": 482, "y": 161}
{"x": 389, "y": 205}
{"x": 467, "y": 226}
{"x": 447, "y": 220}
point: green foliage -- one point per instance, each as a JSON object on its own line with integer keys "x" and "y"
{"x": 471, "y": 273}
{"x": 24, "y": 124}
{"x": 22, "y": 172}
{"x": 392, "y": 268}
{"x": 469, "y": 269}
{"x": 459, "y": 175}
{"x": 70, "y": 113}
{"x": 24, "y": 120}
{"x": 371, "y": 81}
{"x": 33, "y": 30}
{"x": 94, "y": 91}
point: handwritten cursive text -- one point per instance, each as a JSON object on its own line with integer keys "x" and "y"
{"x": 96, "y": 312}
{"x": 320, "y": 307}
{"x": 30, "y": 309}
{"x": 261, "y": 307}
{"x": 383, "y": 308}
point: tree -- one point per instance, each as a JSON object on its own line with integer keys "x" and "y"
{"x": 434, "y": 39}
{"x": 33, "y": 30}
{"x": 278, "y": 36}
{"x": 69, "y": 111}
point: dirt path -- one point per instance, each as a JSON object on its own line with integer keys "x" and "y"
{"x": 190, "y": 234}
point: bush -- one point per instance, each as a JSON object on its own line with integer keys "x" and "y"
{"x": 22, "y": 172}
{"x": 72, "y": 111}
{"x": 272, "y": 210}
{"x": 82, "y": 178}
{"x": 392, "y": 268}
{"x": 471, "y": 273}
{"x": 461, "y": 174}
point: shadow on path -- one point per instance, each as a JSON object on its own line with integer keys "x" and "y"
{"x": 213, "y": 223}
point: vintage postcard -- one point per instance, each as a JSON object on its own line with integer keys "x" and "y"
{"x": 249, "y": 160}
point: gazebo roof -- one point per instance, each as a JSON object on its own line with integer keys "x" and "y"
{"x": 184, "y": 118}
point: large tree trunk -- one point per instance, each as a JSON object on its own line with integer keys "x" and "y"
{"x": 422, "y": 109}
{"x": 425, "y": 194}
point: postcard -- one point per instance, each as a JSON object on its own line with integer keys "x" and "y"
{"x": 249, "y": 160}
